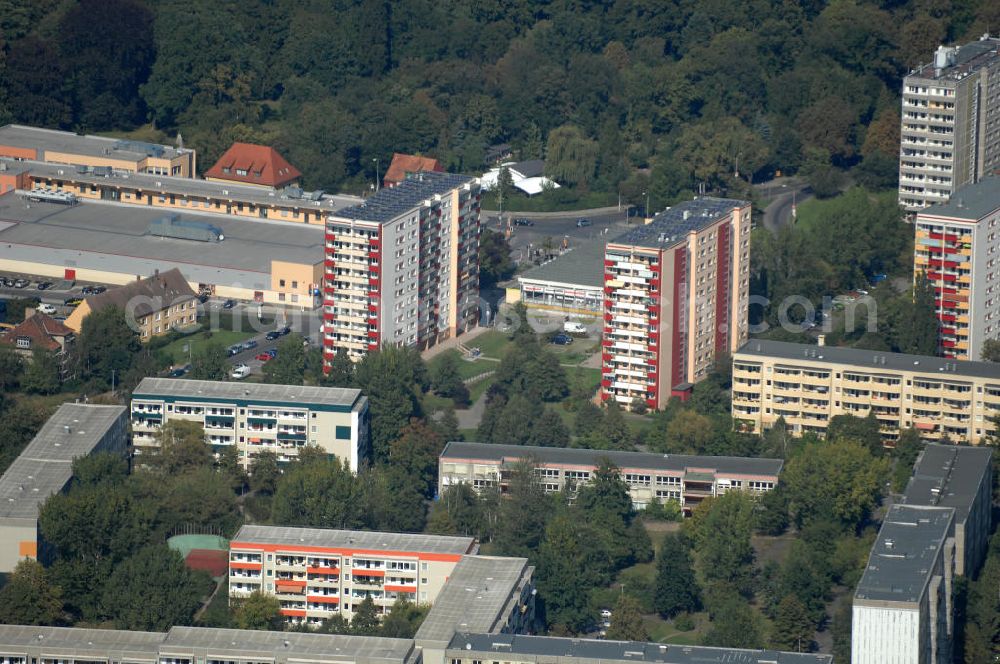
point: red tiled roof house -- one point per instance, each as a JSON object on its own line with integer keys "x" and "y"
{"x": 260, "y": 165}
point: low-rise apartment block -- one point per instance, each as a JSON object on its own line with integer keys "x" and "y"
{"x": 902, "y": 611}
{"x": 960, "y": 478}
{"x": 46, "y": 467}
{"x": 402, "y": 268}
{"x": 255, "y": 417}
{"x": 318, "y": 573}
{"x": 685, "y": 479}
{"x": 95, "y": 152}
{"x": 22, "y": 644}
{"x": 956, "y": 249}
{"x": 808, "y": 385}
{"x": 676, "y": 296}
{"x": 479, "y": 648}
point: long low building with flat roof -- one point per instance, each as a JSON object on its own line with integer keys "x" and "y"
{"x": 902, "y": 609}
{"x": 572, "y": 283}
{"x": 478, "y": 648}
{"x": 45, "y": 467}
{"x": 961, "y": 478}
{"x": 23, "y": 644}
{"x": 257, "y": 261}
{"x": 660, "y": 477}
{"x": 256, "y": 417}
{"x": 317, "y": 573}
{"x": 809, "y": 385}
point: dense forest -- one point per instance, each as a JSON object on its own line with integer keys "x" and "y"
{"x": 626, "y": 96}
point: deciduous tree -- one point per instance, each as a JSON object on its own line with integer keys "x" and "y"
{"x": 258, "y": 610}
{"x": 676, "y": 586}
{"x": 29, "y": 597}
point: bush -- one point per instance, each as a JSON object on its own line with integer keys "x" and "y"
{"x": 684, "y": 622}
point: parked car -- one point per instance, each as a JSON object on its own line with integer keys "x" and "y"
{"x": 21, "y": 283}
{"x": 240, "y": 371}
{"x": 97, "y": 290}
{"x": 45, "y": 308}
{"x": 264, "y": 357}
{"x": 8, "y": 282}
{"x": 45, "y": 285}
{"x": 273, "y": 352}
{"x": 180, "y": 371}
{"x": 229, "y": 304}
{"x": 72, "y": 301}
{"x": 272, "y": 335}
{"x": 282, "y": 331}
{"x": 521, "y": 221}
{"x": 561, "y": 340}
{"x": 234, "y": 349}
{"x": 87, "y": 290}
{"x": 249, "y": 344}
{"x": 571, "y": 327}
{"x": 203, "y": 297}
{"x": 582, "y": 221}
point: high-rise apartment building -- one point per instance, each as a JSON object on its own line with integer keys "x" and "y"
{"x": 957, "y": 248}
{"x": 950, "y": 133}
{"x": 402, "y": 268}
{"x": 809, "y": 385}
{"x": 255, "y": 417}
{"x": 676, "y": 296}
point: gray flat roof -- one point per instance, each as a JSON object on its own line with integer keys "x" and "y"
{"x": 972, "y": 202}
{"x": 969, "y": 58}
{"x": 20, "y": 136}
{"x": 901, "y": 561}
{"x": 193, "y": 187}
{"x": 292, "y": 644}
{"x": 479, "y": 592}
{"x": 115, "y": 238}
{"x": 354, "y": 539}
{"x": 45, "y": 465}
{"x": 673, "y": 224}
{"x": 199, "y": 390}
{"x": 869, "y": 360}
{"x": 17, "y": 638}
{"x": 391, "y": 202}
{"x": 949, "y": 476}
{"x": 548, "y": 647}
{"x": 644, "y": 460}
{"x": 581, "y": 266}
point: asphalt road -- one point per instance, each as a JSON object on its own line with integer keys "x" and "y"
{"x": 785, "y": 193}
{"x": 558, "y": 227}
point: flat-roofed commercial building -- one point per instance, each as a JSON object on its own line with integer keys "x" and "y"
{"x": 676, "y": 296}
{"x": 572, "y": 283}
{"x": 255, "y": 417}
{"x": 45, "y": 467}
{"x": 950, "y": 124}
{"x": 22, "y": 644}
{"x": 682, "y": 478}
{"x": 484, "y": 594}
{"x": 961, "y": 478}
{"x": 902, "y": 611}
{"x": 473, "y": 648}
{"x": 318, "y": 573}
{"x": 402, "y": 268}
{"x": 808, "y": 385}
{"x": 955, "y": 249}
{"x": 257, "y": 261}
{"x": 64, "y": 147}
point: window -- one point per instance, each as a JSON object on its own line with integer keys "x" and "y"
{"x": 281, "y": 282}
{"x": 24, "y": 342}
{"x": 295, "y": 284}
{"x": 343, "y": 433}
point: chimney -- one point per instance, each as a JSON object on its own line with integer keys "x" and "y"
{"x": 28, "y": 312}
{"x": 821, "y": 340}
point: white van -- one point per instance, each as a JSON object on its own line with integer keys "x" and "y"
{"x": 240, "y": 371}
{"x": 571, "y": 327}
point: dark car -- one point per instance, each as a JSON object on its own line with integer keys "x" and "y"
{"x": 45, "y": 285}
{"x": 87, "y": 290}
{"x": 249, "y": 344}
{"x": 272, "y": 335}
{"x": 203, "y": 297}
{"x": 521, "y": 221}
{"x": 180, "y": 371}
{"x": 273, "y": 352}
{"x": 229, "y": 304}
{"x": 561, "y": 340}
{"x": 284, "y": 330}
{"x": 97, "y": 290}
{"x": 234, "y": 349}
{"x": 580, "y": 223}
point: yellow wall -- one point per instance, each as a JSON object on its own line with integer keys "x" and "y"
{"x": 75, "y": 320}
{"x": 297, "y": 278}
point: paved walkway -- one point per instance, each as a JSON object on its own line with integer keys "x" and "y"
{"x": 469, "y": 418}
{"x": 454, "y": 342}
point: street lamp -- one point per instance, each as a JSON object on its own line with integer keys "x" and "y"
{"x": 377, "y": 184}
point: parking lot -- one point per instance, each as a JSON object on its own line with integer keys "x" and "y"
{"x": 557, "y": 227}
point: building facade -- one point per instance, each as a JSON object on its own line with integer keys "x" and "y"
{"x": 45, "y": 467}
{"x": 809, "y": 385}
{"x": 402, "y": 268}
{"x": 902, "y": 611}
{"x": 957, "y": 249}
{"x": 317, "y": 573}
{"x": 676, "y": 296}
{"x": 950, "y": 130}
{"x": 688, "y": 480}
{"x": 255, "y": 417}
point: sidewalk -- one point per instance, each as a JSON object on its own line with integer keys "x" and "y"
{"x": 454, "y": 342}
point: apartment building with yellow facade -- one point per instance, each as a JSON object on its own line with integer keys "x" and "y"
{"x": 957, "y": 248}
{"x": 676, "y": 297}
{"x": 107, "y": 155}
{"x": 943, "y": 399}
{"x": 318, "y": 573}
{"x": 402, "y": 268}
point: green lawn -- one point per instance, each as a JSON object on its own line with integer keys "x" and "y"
{"x": 493, "y": 344}
{"x": 178, "y": 353}
{"x": 466, "y": 368}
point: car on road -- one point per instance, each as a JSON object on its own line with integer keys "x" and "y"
{"x": 234, "y": 349}
{"x": 272, "y": 335}
{"x": 561, "y": 340}
{"x": 240, "y": 371}
{"x": 229, "y": 304}
{"x": 179, "y": 371}
{"x": 273, "y": 352}
{"x": 8, "y": 282}
{"x": 45, "y": 308}
{"x": 282, "y": 331}
{"x": 72, "y": 301}
{"x": 582, "y": 221}
{"x": 97, "y": 290}
{"x": 249, "y": 344}
{"x": 263, "y": 357}
{"x": 21, "y": 283}
{"x": 45, "y": 285}
{"x": 87, "y": 290}
{"x": 521, "y": 221}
